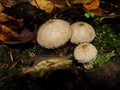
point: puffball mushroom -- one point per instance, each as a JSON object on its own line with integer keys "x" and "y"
{"x": 85, "y": 53}
{"x": 82, "y": 32}
{"x": 54, "y": 33}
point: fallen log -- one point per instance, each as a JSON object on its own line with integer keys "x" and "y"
{"x": 105, "y": 76}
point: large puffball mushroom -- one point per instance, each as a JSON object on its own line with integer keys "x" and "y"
{"x": 82, "y": 32}
{"x": 54, "y": 33}
{"x": 85, "y": 53}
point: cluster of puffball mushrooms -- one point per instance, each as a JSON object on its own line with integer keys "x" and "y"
{"x": 57, "y": 32}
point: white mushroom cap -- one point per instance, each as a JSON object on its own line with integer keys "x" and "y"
{"x": 82, "y": 32}
{"x": 85, "y": 53}
{"x": 54, "y": 33}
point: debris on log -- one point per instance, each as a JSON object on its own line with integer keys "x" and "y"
{"x": 44, "y": 65}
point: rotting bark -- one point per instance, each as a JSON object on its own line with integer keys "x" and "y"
{"x": 106, "y": 76}
{"x": 44, "y": 65}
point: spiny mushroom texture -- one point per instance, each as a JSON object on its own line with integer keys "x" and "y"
{"x": 54, "y": 33}
{"x": 82, "y": 32}
{"x": 85, "y": 53}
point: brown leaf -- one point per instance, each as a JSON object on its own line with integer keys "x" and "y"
{"x": 8, "y": 3}
{"x": 9, "y": 20}
{"x": 25, "y": 36}
{"x": 48, "y": 5}
{"x": 1, "y": 7}
{"x": 97, "y": 12}
{"x": 7, "y": 34}
{"x": 43, "y": 4}
{"x": 3, "y": 17}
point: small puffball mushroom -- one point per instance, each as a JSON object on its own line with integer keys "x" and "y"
{"x": 82, "y": 32}
{"x": 54, "y": 33}
{"x": 85, "y": 53}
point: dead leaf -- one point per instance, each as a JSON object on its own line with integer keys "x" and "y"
{"x": 97, "y": 12}
{"x": 48, "y": 5}
{"x": 8, "y": 3}
{"x": 1, "y": 7}
{"x": 7, "y": 34}
{"x": 92, "y": 5}
{"x": 4, "y": 18}
{"x": 25, "y": 36}
{"x": 43, "y": 4}
{"x": 9, "y": 27}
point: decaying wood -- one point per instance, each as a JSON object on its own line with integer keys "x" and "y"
{"x": 107, "y": 75}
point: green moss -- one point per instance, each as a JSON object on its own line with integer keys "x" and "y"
{"x": 107, "y": 42}
{"x": 89, "y": 15}
{"x": 107, "y": 38}
{"x": 103, "y": 58}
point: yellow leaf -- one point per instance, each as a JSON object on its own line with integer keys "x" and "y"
{"x": 48, "y": 5}
{"x": 43, "y": 4}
